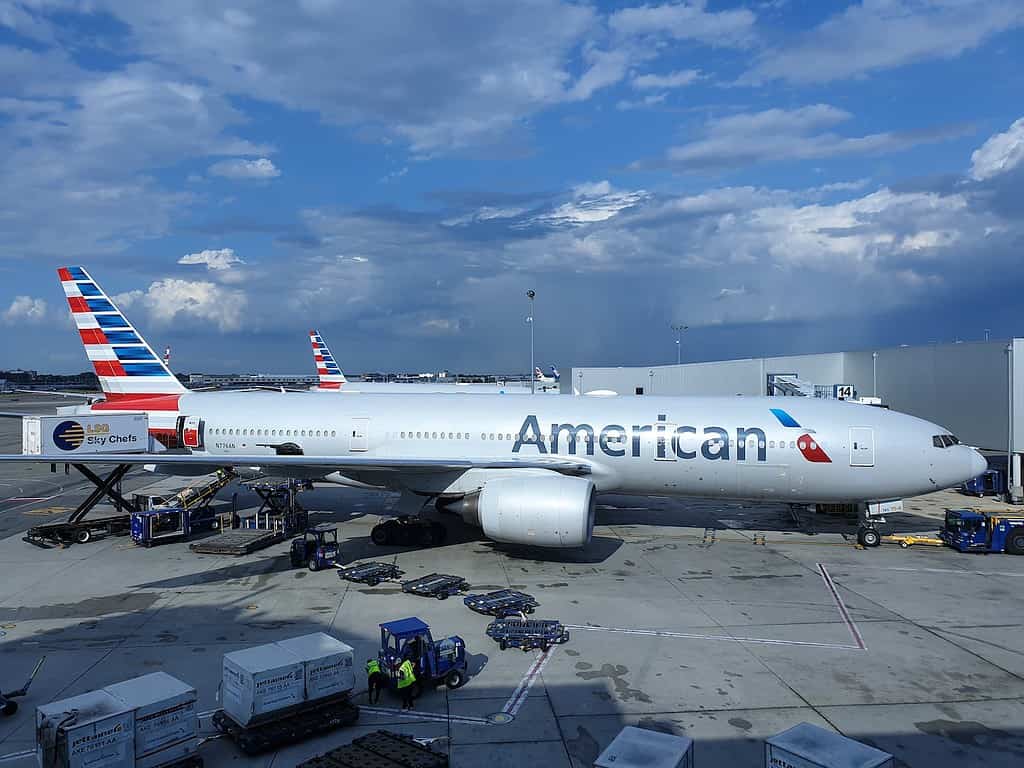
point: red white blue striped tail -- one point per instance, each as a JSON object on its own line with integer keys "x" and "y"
{"x": 327, "y": 368}
{"x": 126, "y": 365}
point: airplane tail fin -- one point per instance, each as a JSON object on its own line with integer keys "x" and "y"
{"x": 327, "y": 368}
{"x": 538, "y": 374}
{"x": 555, "y": 374}
{"x": 126, "y": 365}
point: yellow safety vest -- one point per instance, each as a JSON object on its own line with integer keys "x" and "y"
{"x": 372, "y": 667}
{"x": 406, "y": 676}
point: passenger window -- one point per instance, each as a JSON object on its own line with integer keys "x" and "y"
{"x": 760, "y": 443}
{"x": 792, "y": 444}
{"x": 451, "y": 435}
{"x": 419, "y": 434}
{"x": 332, "y": 433}
{"x": 458, "y": 435}
{"x": 501, "y": 436}
{"x": 403, "y": 435}
{"x": 492, "y": 435}
{"x": 771, "y": 443}
{"x": 435, "y": 435}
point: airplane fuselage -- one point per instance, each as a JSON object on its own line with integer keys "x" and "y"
{"x": 786, "y": 449}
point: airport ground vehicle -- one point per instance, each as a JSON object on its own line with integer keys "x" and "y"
{"x": 153, "y": 526}
{"x": 436, "y": 661}
{"x": 969, "y": 530}
{"x": 991, "y": 482}
{"x": 317, "y": 548}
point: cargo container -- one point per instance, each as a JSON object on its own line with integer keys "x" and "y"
{"x": 73, "y": 435}
{"x": 641, "y": 748}
{"x": 166, "y": 718}
{"x": 285, "y": 692}
{"x": 261, "y": 683}
{"x": 327, "y": 664}
{"x": 94, "y": 730}
{"x": 808, "y": 746}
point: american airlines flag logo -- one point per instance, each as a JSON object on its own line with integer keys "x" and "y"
{"x": 809, "y": 448}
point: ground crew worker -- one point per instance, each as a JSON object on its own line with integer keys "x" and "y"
{"x": 374, "y": 679}
{"x": 406, "y": 683}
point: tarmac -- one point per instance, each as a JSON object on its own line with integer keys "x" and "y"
{"x": 726, "y": 622}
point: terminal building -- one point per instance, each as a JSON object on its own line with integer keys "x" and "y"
{"x": 965, "y": 387}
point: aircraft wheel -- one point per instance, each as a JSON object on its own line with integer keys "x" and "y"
{"x": 1015, "y": 541}
{"x": 868, "y": 537}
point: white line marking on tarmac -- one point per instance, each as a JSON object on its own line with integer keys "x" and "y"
{"x": 955, "y": 571}
{"x": 425, "y": 715}
{"x": 17, "y": 755}
{"x": 523, "y": 689}
{"x": 847, "y": 618}
{"x": 721, "y": 638}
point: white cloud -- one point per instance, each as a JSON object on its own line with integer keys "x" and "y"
{"x": 221, "y": 259}
{"x": 728, "y": 293}
{"x": 676, "y": 79}
{"x": 591, "y": 202}
{"x": 686, "y": 21}
{"x": 171, "y": 301}
{"x": 605, "y": 68}
{"x": 650, "y": 100}
{"x": 875, "y": 35}
{"x": 25, "y": 309}
{"x": 240, "y": 168}
{"x": 1000, "y": 154}
{"x": 785, "y": 134}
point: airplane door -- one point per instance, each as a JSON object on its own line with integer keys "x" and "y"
{"x": 191, "y": 430}
{"x": 359, "y": 435}
{"x": 862, "y": 447}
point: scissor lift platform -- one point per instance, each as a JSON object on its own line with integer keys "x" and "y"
{"x": 372, "y": 573}
{"x": 439, "y": 585}
{"x": 501, "y": 603}
{"x": 380, "y": 749}
{"x": 527, "y": 634}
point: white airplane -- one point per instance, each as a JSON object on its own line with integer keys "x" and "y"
{"x": 333, "y": 380}
{"x": 526, "y": 470}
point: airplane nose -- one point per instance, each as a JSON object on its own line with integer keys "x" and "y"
{"x": 978, "y": 463}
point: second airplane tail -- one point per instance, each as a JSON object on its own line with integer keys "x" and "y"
{"x": 327, "y": 368}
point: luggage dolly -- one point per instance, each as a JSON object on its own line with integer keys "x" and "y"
{"x": 439, "y": 585}
{"x": 380, "y": 749}
{"x": 501, "y": 603}
{"x": 527, "y": 634}
{"x": 372, "y": 573}
{"x": 294, "y": 727}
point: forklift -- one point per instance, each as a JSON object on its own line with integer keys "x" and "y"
{"x": 8, "y": 705}
{"x": 317, "y": 548}
{"x": 435, "y": 662}
{"x": 969, "y": 530}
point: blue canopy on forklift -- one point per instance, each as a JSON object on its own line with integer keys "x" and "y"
{"x": 405, "y": 626}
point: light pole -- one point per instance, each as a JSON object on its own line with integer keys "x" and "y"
{"x": 679, "y": 341}
{"x": 987, "y": 332}
{"x": 874, "y": 374}
{"x": 531, "y": 295}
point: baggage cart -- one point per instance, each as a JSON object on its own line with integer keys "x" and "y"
{"x": 527, "y": 634}
{"x": 438, "y": 585}
{"x": 501, "y": 603}
{"x": 372, "y": 573}
{"x": 642, "y": 748}
{"x": 814, "y": 747}
{"x": 298, "y": 725}
{"x": 380, "y": 749}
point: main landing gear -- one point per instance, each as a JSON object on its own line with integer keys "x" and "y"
{"x": 408, "y": 531}
{"x": 868, "y": 534}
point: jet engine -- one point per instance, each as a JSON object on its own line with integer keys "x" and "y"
{"x": 554, "y": 511}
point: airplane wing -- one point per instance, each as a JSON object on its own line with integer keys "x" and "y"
{"x": 320, "y": 464}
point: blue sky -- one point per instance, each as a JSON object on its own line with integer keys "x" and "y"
{"x": 785, "y": 176}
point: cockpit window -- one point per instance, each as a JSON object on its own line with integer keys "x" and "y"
{"x": 944, "y": 441}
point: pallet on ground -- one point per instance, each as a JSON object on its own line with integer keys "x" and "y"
{"x": 501, "y": 603}
{"x": 371, "y": 573}
{"x": 294, "y": 728}
{"x": 240, "y": 541}
{"x": 438, "y": 585}
{"x": 527, "y": 634}
{"x": 380, "y": 749}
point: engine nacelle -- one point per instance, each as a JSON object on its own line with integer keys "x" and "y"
{"x": 556, "y": 511}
